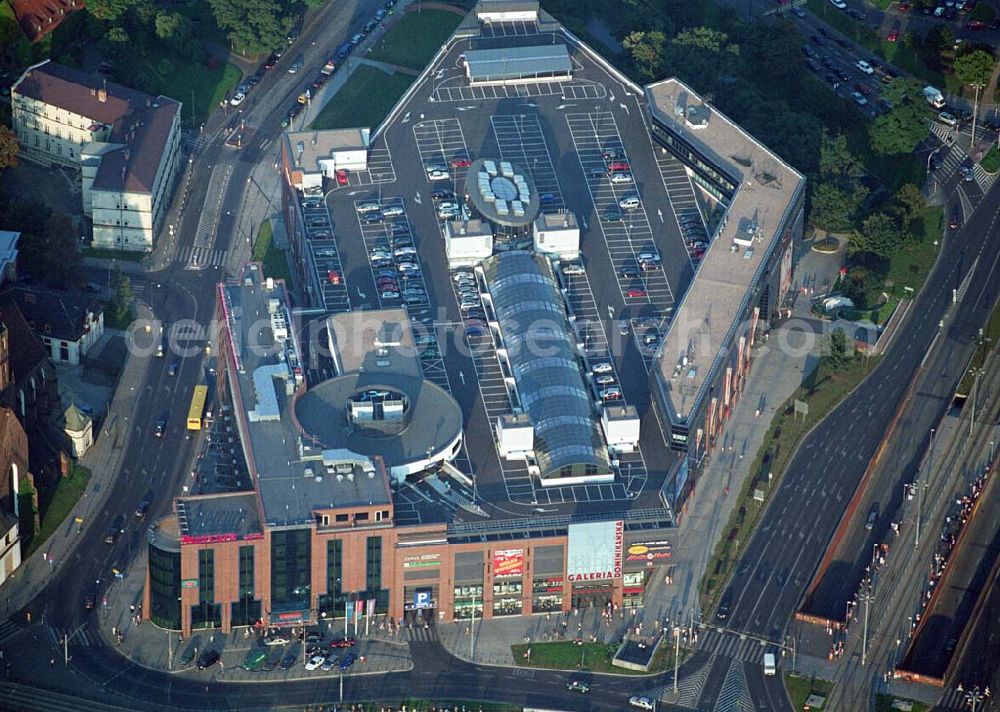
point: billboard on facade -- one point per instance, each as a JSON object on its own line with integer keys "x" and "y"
{"x": 419, "y": 561}
{"x": 648, "y": 551}
{"x": 595, "y": 551}
{"x": 508, "y": 562}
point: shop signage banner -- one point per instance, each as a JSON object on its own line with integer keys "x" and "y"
{"x": 648, "y": 551}
{"x": 417, "y": 561}
{"x": 595, "y": 551}
{"x": 508, "y": 562}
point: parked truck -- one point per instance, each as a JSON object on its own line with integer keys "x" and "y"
{"x": 328, "y": 67}
{"x": 934, "y": 97}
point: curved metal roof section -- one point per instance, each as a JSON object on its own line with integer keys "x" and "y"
{"x": 537, "y": 335}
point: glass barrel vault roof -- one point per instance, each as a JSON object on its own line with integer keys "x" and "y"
{"x": 537, "y": 335}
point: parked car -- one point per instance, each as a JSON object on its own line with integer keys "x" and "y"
{"x": 369, "y": 207}
{"x": 238, "y": 98}
{"x": 208, "y": 658}
{"x": 602, "y": 367}
{"x": 578, "y": 684}
{"x": 347, "y": 661}
{"x": 641, "y": 701}
{"x": 636, "y": 293}
{"x": 315, "y": 662}
{"x": 438, "y": 175}
{"x": 610, "y": 394}
{"x": 864, "y": 67}
{"x": 460, "y": 163}
{"x": 393, "y": 211}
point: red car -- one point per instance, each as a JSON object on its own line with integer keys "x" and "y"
{"x": 460, "y": 163}
{"x": 955, "y": 220}
{"x": 333, "y": 276}
{"x": 618, "y": 166}
{"x": 636, "y": 293}
{"x": 893, "y": 35}
{"x": 341, "y": 176}
{"x": 904, "y": 6}
{"x": 974, "y": 25}
{"x": 343, "y": 643}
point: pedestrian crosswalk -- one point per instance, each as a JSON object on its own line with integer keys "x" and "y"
{"x": 735, "y": 694}
{"x": 81, "y": 637}
{"x": 688, "y": 688}
{"x": 983, "y": 179}
{"x": 421, "y": 634}
{"x": 732, "y": 645}
{"x": 8, "y": 629}
{"x": 18, "y": 698}
{"x": 953, "y": 700}
{"x": 194, "y": 258}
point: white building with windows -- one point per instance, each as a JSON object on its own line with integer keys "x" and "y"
{"x": 127, "y": 145}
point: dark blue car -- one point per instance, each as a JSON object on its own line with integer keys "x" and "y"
{"x": 347, "y": 661}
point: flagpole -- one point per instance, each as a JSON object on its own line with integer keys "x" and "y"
{"x": 356, "y": 612}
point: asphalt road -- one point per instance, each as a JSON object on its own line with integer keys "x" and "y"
{"x": 802, "y": 515}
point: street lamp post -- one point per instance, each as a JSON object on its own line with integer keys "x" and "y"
{"x": 867, "y": 584}
{"x": 677, "y": 654}
{"x": 975, "y": 111}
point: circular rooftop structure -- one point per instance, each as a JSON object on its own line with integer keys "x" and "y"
{"x": 410, "y": 422}
{"x": 502, "y": 192}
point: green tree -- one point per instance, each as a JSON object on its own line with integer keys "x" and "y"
{"x": 974, "y": 67}
{"x": 109, "y": 10}
{"x": 836, "y": 162}
{"x": 254, "y": 26}
{"x": 909, "y": 204}
{"x": 646, "y": 49}
{"x": 837, "y": 355}
{"x": 51, "y": 254}
{"x": 941, "y": 37}
{"x": 705, "y": 38}
{"x": 9, "y": 147}
{"x": 880, "y": 235}
{"x": 899, "y": 131}
{"x": 121, "y": 305}
{"x": 834, "y": 208}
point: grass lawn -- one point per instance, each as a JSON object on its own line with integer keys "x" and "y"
{"x": 911, "y": 265}
{"x": 799, "y": 689}
{"x": 99, "y": 254}
{"x": 823, "y": 389}
{"x": 265, "y": 251}
{"x": 883, "y": 703}
{"x": 991, "y": 161}
{"x": 414, "y": 40}
{"x": 364, "y": 100}
{"x": 68, "y": 492}
{"x": 595, "y": 657}
{"x": 198, "y": 87}
{"x": 906, "y": 58}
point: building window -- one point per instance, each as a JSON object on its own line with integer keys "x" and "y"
{"x": 373, "y": 564}
{"x": 246, "y": 610}
{"x": 341, "y": 518}
{"x": 290, "y": 570}
{"x": 207, "y": 613}
{"x": 165, "y": 588}
{"x": 334, "y": 599}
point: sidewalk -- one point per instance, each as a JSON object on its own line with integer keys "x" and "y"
{"x": 158, "y": 649}
{"x": 104, "y": 460}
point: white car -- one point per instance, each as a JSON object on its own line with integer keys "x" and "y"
{"x": 863, "y": 66}
{"x": 276, "y": 640}
{"x": 367, "y": 207}
{"x": 438, "y": 175}
{"x": 315, "y": 662}
{"x": 602, "y": 367}
{"x": 859, "y": 98}
{"x": 640, "y": 701}
{"x": 238, "y": 98}
{"x": 629, "y": 203}
{"x": 839, "y": 4}
{"x": 392, "y": 211}
{"x": 605, "y": 380}
{"x": 621, "y": 177}
{"x": 572, "y": 268}
{"x": 610, "y": 394}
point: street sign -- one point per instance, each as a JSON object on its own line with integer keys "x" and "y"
{"x": 189, "y": 583}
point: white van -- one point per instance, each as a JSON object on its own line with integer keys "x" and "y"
{"x": 770, "y": 666}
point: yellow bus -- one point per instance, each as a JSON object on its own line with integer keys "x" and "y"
{"x": 197, "y": 410}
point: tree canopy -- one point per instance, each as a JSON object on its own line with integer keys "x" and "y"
{"x": 974, "y": 67}
{"x": 879, "y": 235}
{"x": 8, "y": 148}
{"x": 254, "y": 26}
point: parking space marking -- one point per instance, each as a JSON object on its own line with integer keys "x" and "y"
{"x": 455, "y": 89}
{"x": 379, "y": 169}
{"x": 687, "y": 212}
{"x": 439, "y": 142}
{"x": 629, "y": 234}
{"x": 326, "y": 258}
{"x": 647, "y": 333}
{"x": 507, "y": 29}
{"x": 521, "y": 141}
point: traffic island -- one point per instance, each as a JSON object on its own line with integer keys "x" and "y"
{"x": 593, "y": 657}
{"x": 801, "y": 689}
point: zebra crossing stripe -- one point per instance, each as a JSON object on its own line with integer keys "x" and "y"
{"x": 734, "y": 695}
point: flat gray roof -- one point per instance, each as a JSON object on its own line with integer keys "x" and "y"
{"x": 219, "y": 515}
{"x": 291, "y": 476}
{"x": 516, "y": 62}
{"x": 321, "y": 145}
{"x": 493, "y": 7}
{"x": 374, "y": 339}
{"x": 542, "y": 353}
{"x": 757, "y": 214}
